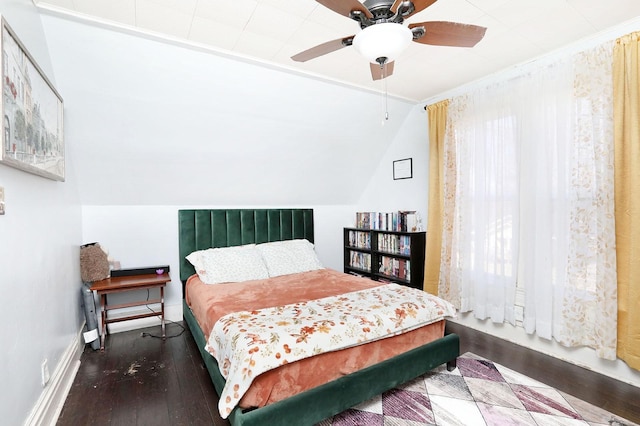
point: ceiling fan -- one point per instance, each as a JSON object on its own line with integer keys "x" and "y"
{"x": 384, "y": 37}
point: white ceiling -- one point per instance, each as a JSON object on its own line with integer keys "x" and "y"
{"x": 271, "y": 31}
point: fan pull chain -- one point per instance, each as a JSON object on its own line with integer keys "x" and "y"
{"x": 386, "y": 99}
{"x": 385, "y": 95}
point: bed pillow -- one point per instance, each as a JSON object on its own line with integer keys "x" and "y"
{"x": 229, "y": 264}
{"x": 289, "y": 257}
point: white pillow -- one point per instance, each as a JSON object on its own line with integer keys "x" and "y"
{"x": 289, "y": 257}
{"x": 229, "y": 264}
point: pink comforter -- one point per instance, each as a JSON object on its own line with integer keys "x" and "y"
{"x": 210, "y": 302}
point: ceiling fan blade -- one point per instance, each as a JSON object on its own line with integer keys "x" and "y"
{"x": 344, "y": 7}
{"x": 379, "y": 72}
{"x": 395, "y": 5}
{"x": 442, "y": 33}
{"x": 419, "y": 6}
{"x": 323, "y": 49}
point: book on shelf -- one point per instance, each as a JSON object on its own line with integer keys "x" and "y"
{"x": 359, "y": 239}
{"x": 360, "y": 260}
{"x": 395, "y": 244}
{"x": 400, "y": 221}
{"x": 393, "y": 267}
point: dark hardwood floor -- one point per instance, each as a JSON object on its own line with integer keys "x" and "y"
{"x": 142, "y": 380}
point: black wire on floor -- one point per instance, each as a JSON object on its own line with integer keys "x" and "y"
{"x": 159, "y": 315}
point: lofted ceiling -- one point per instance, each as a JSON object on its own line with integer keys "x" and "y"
{"x": 271, "y": 31}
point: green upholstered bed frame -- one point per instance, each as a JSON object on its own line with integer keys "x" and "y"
{"x": 202, "y": 229}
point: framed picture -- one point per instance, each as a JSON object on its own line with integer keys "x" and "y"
{"x": 32, "y": 113}
{"x": 403, "y": 169}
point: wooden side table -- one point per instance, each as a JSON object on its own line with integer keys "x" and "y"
{"x": 129, "y": 283}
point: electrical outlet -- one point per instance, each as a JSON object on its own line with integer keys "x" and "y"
{"x": 45, "y": 372}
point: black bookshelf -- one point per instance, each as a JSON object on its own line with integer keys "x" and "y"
{"x": 391, "y": 256}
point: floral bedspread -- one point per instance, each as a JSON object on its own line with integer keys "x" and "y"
{"x": 248, "y": 343}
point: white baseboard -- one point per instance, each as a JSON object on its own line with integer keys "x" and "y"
{"x": 49, "y": 405}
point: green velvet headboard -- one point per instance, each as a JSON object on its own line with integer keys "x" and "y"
{"x": 203, "y": 229}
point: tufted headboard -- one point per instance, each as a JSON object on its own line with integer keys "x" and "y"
{"x": 203, "y": 229}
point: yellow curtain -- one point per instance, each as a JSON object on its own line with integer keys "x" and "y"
{"x": 626, "y": 113}
{"x": 437, "y": 126}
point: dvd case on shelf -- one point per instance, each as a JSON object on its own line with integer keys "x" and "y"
{"x": 401, "y": 221}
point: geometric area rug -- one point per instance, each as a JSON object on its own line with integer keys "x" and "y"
{"x": 478, "y": 392}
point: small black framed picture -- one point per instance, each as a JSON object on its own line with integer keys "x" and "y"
{"x": 403, "y": 169}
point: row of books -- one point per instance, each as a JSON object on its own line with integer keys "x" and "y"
{"x": 399, "y": 268}
{"x": 360, "y": 239}
{"x": 396, "y": 244}
{"x": 360, "y": 261}
{"x": 401, "y": 221}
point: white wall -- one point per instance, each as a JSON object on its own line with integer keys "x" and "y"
{"x": 162, "y": 124}
{"x": 39, "y": 259}
{"x": 385, "y": 194}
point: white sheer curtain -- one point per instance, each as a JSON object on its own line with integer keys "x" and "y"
{"x": 545, "y": 169}
{"x": 480, "y": 259}
{"x": 529, "y": 202}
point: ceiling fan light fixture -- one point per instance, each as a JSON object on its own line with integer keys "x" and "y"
{"x": 385, "y": 40}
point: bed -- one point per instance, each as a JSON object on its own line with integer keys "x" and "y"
{"x": 203, "y": 229}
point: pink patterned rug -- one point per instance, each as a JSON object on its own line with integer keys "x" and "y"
{"x": 478, "y": 392}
